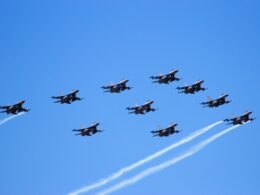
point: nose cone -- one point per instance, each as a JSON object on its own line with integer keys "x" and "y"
{"x": 174, "y": 71}
{"x": 21, "y": 102}
{"x": 150, "y": 102}
{"x": 247, "y": 113}
{"x": 199, "y": 82}
{"x": 124, "y": 81}
{"x": 96, "y": 124}
{"x": 173, "y": 125}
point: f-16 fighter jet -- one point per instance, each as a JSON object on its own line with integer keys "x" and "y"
{"x": 117, "y": 88}
{"x": 167, "y": 78}
{"x": 142, "y": 109}
{"x": 14, "y": 109}
{"x": 67, "y": 99}
{"x": 192, "y": 89}
{"x": 241, "y": 119}
{"x": 88, "y": 131}
{"x": 165, "y": 132}
{"x": 217, "y": 102}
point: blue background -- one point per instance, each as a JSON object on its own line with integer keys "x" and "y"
{"x": 52, "y": 47}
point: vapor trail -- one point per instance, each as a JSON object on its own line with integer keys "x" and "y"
{"x": 166, "y": 164}
{"x": 143, "y": 161}
{"x": 11, "y": 117}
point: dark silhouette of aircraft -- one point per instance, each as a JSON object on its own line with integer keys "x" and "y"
{"x": 167, "y": 78}
{"x": 14, "y": 109}
{"x": 217, "y": 102}
{"x": 165, "y": 132}
{"x": 67, "y": 99}
{"x": 192, "y": 89}
{"x": 117, "y": 88}
{"x": 141, "y": 109}
{"x": 89, "y": 131}
{"x": 241, "y": 119}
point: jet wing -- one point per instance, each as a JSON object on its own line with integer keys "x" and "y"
{"x": 172, "y": 74}
{"x": 156, "y": 77}
{"x": 133, "y": 108}
{"x": 245, "y": 115}
{"x": 182, "y": 88}
{"x": 231, "y": 119}
{"x": 219, "y": 99}
{"x": 157, "y": 131}
{"x": 80, "y": 130}
{"x": 168, "y": 129}
{"x": 92, "y": 128}
{"x": 18, "y": 106}
{"x": 205, "y": 103}
{"x": 58, "y": 97}
{"x": 5, "y": 107}
{"x": 71, "y": 95}
{"x": 107, "y": 87}
{"x": 195, "y": 85}
{"x": 143, "y": 107}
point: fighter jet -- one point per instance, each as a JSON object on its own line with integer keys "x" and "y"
{"x": 117, "y": 88}
{"x": 165, "y": 132}
{"x": 14, "y": 109}
{"x": 167, "y": 78}
{"x": 142, "y": 109}
{"x": 217, "y": 102}
{"x": 67, "y": 99}
{"x": 88, "y": 131}
{"x": 192, "y": 89}
{"x": 241, "y": 119}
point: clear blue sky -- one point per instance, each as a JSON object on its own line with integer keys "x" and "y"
{"x": 52, "y": 47}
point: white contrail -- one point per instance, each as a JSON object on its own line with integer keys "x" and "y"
{"x": 11, "y": 117}
{"x": 143, "y": 161}
{"x": 166, "y": 164}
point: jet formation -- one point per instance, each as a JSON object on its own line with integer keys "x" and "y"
{"x": 14, "y": 109}
{"x": 140, "y": 109}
